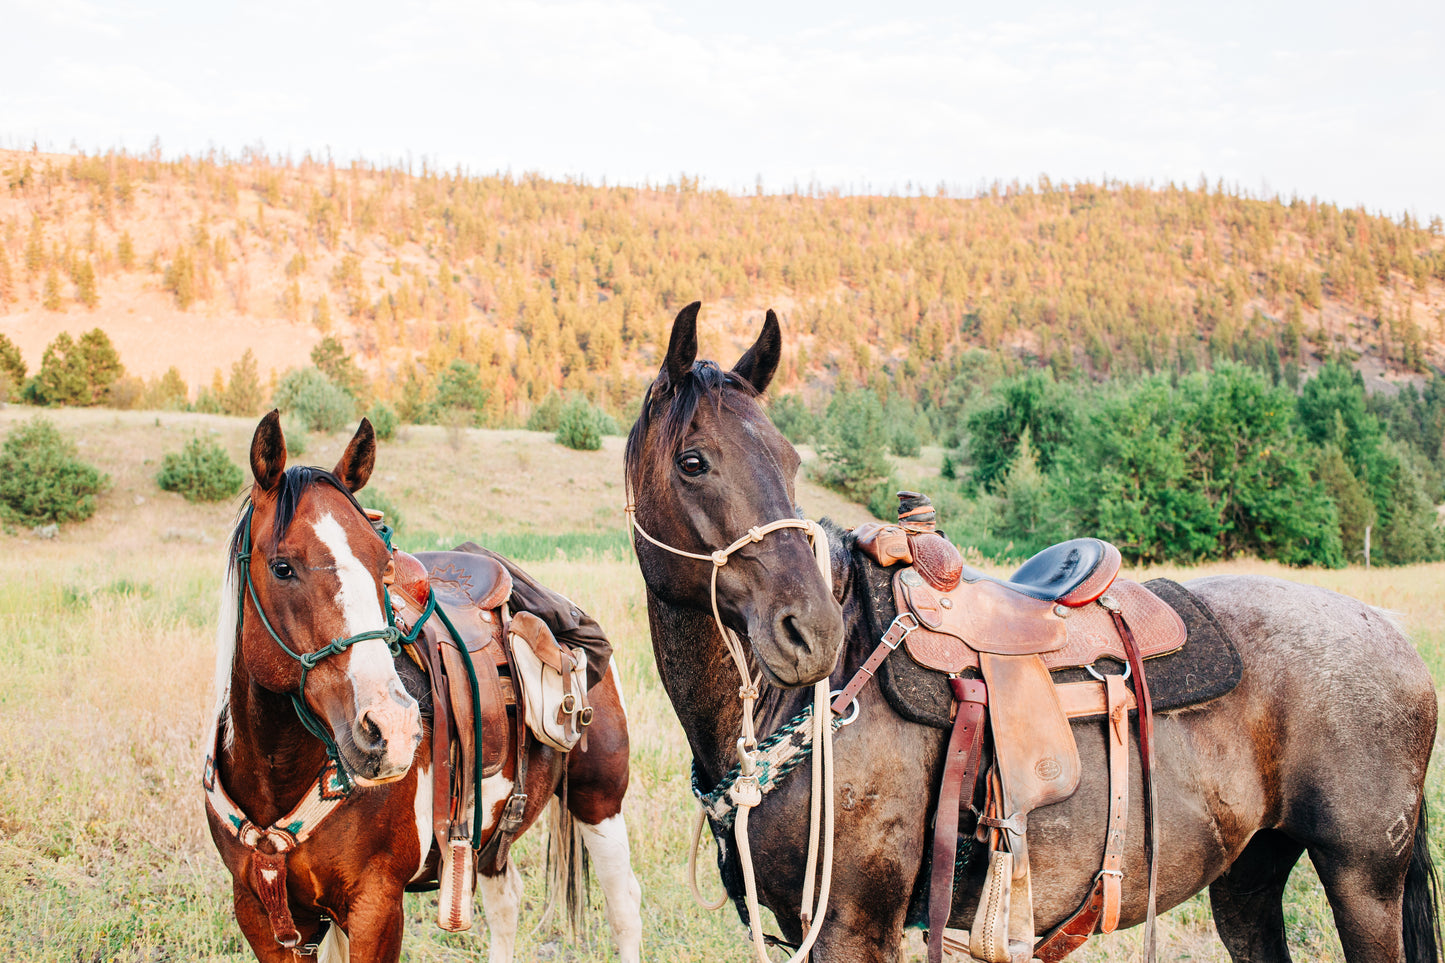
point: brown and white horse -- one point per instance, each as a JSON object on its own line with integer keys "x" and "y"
{"x": 319, "y": 794}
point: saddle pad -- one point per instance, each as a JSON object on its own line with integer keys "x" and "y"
{"x": 1207, "y": 667}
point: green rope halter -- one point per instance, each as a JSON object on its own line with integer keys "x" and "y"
{"x": 391, "y": 635}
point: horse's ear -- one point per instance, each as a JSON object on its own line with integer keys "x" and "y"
{"x": 354, "y": 468}
{"x": 682, "y": 348}
{"x": 760, "y": 362}
{"x": 268, "y": 452}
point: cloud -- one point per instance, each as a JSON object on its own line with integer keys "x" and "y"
{"x": 640, "y": 90}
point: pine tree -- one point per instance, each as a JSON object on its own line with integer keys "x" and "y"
{"x": 242, "y": 395}
{"x": 12, "y": 370}
{"x": 125, "y": 251}
{"x": 101, "y": 364}
{"x": 50, "y": 299}
{"x": 7, "y": 279}
{"x": 84, "y": 278}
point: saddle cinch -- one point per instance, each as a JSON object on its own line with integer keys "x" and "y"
{"x": 483, "y": 666}
{"x": 998, "y": 640}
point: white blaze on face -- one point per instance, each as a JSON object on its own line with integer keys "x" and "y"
{"x": 370, "y": 669}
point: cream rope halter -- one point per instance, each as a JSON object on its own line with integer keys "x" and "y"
{"x": 747, "y": 792}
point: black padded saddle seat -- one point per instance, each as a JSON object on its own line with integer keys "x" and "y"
{"x": 1058, "y": 570}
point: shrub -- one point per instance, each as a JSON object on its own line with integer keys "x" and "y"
{"x": 383, "y": 418}
{"x": 297, "y": 440}
{"x": 581, "y": 424}
{"x": 460, "y": 395}
{"x": 41, "y": 480}
{"x": 12, "y": 370}
{"x": 792, "y": 417}
{"x": 546, "y": 415}
{"x": 378, "y": 500}
{"x": 166, "y": 393}
{"x": 126, "y": 393}
{"x": 851, "y": 452}
{"x": 75, "y": 372}
{"x": 200, "y": 472}
{"x": 317, "y": 403}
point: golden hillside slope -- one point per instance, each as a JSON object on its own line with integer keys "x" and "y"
{"x": 549, "y": 284}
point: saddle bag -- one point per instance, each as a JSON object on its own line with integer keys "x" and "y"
{"x": 553, "y": 683}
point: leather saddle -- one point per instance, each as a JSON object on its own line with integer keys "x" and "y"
{"x": 1063, "y": 608}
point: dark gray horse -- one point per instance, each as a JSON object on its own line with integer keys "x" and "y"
{"x": 1323, "y": 746}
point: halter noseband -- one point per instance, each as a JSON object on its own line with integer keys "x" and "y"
{"x": 391, "y": 635}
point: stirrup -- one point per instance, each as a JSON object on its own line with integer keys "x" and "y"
{"x": 454, "y": 902}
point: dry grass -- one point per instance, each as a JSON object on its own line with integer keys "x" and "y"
{"x": 106, "y": 662}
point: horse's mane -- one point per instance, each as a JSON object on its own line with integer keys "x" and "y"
{"x": 293, "y": 484}
{"x": 704, "y": 380}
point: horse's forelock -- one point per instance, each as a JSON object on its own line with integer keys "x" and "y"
{"x": 705, "y": 381}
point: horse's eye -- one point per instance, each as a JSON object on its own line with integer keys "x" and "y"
{"x": 282, "y": 569}
{"x": 691, "y": 463}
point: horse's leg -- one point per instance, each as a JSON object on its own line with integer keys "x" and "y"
{"x": 256, "y": 927}
{"x": 375, "y": 923}
{"x": 1366, "y": 893}
{"x": 596, "y": 783}
{"x": 607, "y": 845}
{"x": 502, "y": 902}
{"x": 1247, "y": 901}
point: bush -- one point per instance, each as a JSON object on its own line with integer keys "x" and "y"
{"x": 851, "y": 452}
{"x": 126, "y": 393}
{"x": 792, "y": 417}
{"x": 383, "y": 418}
{"x": 41, "y": 480}
{"x": 581, "y": 425}
{"x": 296, "y": 439}
{"x": 75, "y": 372}
{"x": 12, "y": 370}
{"x": 200, "y": 472}
{"x": 317, "y": 403}
{"x": 376, "y": 499}
{"x": 546, "y": 415}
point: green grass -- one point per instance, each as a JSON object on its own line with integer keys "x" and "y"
{"x": 105, "y": 670}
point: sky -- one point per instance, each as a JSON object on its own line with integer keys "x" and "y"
{"x": 1344, "y": 102}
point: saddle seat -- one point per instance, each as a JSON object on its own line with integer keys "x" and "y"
{"x": 1072, "y": 573}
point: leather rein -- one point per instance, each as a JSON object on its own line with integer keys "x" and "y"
{"x": 747, "y": 792}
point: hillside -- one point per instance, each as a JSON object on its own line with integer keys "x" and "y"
{"x": 549, "y": 285}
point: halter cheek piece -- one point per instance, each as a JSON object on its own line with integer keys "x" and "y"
{"x": 391, "y": 635}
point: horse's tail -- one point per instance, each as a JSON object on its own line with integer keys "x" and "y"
{"x": 567, "y": 866}
{"x": 1422, "y": 899}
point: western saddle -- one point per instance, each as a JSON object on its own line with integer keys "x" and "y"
{"x": 454, "y": 608}
{"x": 998, "y": 640}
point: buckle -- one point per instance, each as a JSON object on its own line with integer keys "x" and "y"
{"x": 585, "y": 719}
{"x": 898, "y": 623}
{"x": 569, "y": 703}
{"x": 513, "y": 812}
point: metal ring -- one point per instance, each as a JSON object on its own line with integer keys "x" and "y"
{"x": 1128, "y": 669}
{"x": 848, "y": 719}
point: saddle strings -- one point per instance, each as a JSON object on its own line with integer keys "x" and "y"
{"x": 821, "y": 817}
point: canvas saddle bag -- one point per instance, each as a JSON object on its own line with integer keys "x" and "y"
{"x": 553, "y": 680}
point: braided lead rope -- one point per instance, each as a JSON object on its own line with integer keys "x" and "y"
{"x": 747, "y": 792}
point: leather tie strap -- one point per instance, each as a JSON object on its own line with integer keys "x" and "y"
{"x": 1100, "y": 909}
{"x": 1112, "y": 873}
{"x": 897, "y": 632}
{"x": 960, "y": 776}
{"x": 1146, "y": 760}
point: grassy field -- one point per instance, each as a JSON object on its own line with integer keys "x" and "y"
{"x": 105, "y": 670}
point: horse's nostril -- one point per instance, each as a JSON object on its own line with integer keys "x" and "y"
{"x": 792, "y": 632}
{"x": 368, "y": 734}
